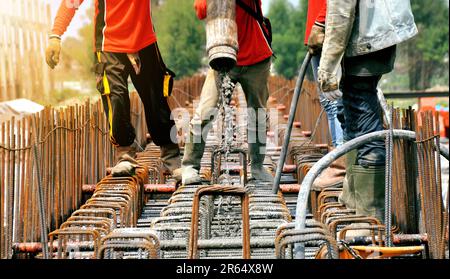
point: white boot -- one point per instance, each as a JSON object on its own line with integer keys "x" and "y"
{"x": 190, "y": 176}
{"x": 126, "y": 166}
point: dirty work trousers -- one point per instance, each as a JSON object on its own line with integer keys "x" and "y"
{"x": 253, "y": 80}
{"x": 112, "y": 71}
{"x": 362, "y": 114}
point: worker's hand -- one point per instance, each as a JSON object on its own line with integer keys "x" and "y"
{"x": 340, "y": 19}
{"x": 201, "y": 8}
{"x": 333, "y": 95}
{"x": 316, "y": 38}
{"x": 53, "y": 51}
{"x": 329, "y": 85}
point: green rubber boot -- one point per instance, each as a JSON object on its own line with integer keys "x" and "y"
{"x": 348, "y": 189}
{"x": 369, "y": 190}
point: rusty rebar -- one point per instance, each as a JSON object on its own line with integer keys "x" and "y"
{"x": 41, "y": 197}
{"x": 388, "y": 178}
{"x": 222, "y": 190}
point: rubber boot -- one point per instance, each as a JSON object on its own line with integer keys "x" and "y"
{"x": 369, "y": 190}
{"x": 257, "y": 155}
{"x": 126, "y": 164}
{"x": 170, "y": 158}
{"x": 333, "y": 175}
{"x": 121, "y": 151}
{"x": 368, "y": 183}
{"x": 193, "y": 153}
{"x": 348, "y": 188}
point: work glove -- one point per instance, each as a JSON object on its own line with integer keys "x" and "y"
{"x": 340, "y": 19}
{"x": 333, "y": 94}
{"x": 316, "y": 38}
{"x": 53, "y": 51}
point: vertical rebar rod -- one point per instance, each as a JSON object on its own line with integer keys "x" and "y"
{"x": 388, "y": 182}
{"x": 440, "y": 210}
{"x": 41, "y": 202}
{"x": 3, "y": 152}
{"x": 10, "y": 189}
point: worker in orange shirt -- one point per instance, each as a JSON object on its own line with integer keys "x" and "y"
{"x": 125, "y": 46}
{"x": 252, "y": 72}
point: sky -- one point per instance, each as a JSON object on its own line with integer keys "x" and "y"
{"x": 78, "y": 21}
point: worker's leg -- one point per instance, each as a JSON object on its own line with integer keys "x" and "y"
{"x": 330, "y": 107}
{"x": 334, "y": 174}
{"x": 347, "y": 196}
{"x": 363, "y": 116}
{"x": 111, "y": 77}
{"x": 149, "y": 84}
{"x": 200, "y": 124}
{"x": 253, "y": 80}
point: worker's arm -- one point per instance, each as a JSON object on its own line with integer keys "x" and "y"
{"x": 201, "y": 8}
{"x": 317, "y": 34}
{"x": 322, "y": 14}
{"x": 63, "y": 18}
{"x": 340, "y": 18}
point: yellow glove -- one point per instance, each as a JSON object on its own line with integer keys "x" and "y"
{"x": 53, "y": 51}
{"x": 316, "y": 38}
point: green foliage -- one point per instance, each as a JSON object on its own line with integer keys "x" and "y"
{"x": 428, "y": 51}
{"x": 181, "y": 36}
{"x": 77, "y": 53}
{"x": 422, "y": 62}
{"x": 77, "y": 59}
{"x": 288, "y": 25}
{"x": 58, "y": 97}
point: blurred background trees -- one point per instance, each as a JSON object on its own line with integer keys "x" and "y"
{"x": 181, "y": 36}
{"x": 422, "y": 63}
{"x": 427, "y": 53}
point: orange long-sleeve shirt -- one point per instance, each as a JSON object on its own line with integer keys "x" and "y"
{"x": 123, "y": 26}
{"x": 317, "y": 11}
{"x": 253, "y": 46}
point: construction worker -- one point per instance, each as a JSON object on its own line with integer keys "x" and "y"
{"x": 125, "y": 46}
{"x": 314, "y": 36}
{"x": 252, "y": 72}
{"x": 361, "y": 35}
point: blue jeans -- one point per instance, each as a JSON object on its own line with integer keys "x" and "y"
{"x": 362, "y": 114}
{"x": 331, "y": 108}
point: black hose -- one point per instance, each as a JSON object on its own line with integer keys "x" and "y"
{"x": 293, "y": 109}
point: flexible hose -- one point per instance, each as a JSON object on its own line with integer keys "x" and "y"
{"x": 314, "y": 172}
{"x": 293, "y": 109}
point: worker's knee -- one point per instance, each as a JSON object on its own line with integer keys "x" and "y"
{"x": 372, "y": 155}
{"x": 122, "y": 135}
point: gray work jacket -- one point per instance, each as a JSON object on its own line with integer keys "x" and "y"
{"x": 379, "y": 24}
